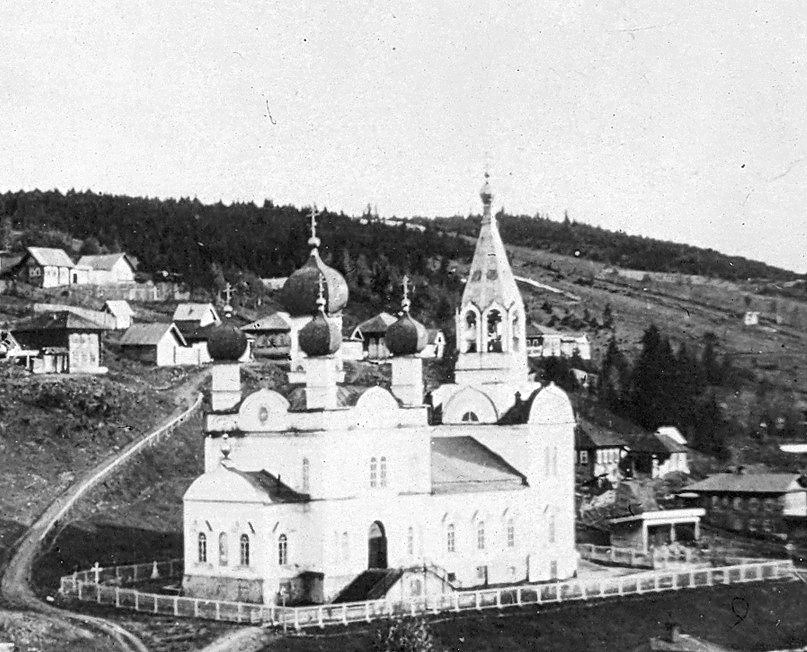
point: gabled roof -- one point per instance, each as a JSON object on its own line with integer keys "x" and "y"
{"x": 149, "y": 334}
{"x": 462, "y": 464}
{"x": 657, "y": 443}
{"x": 377, "y": 325}
{"x": 47, "y": 256}
{"x": 192, "y": 311}
{"x": 757, "y": 483}
{"x": 194, "y": 333}
{"x": 104, "y": 262}
{"x": 538, "y": 330}
{"x": 277, "y": 321}
{"x": 589, "y": 435}
{"x": 58, "y": 320}
{"x": 272, "y": 486}
{"x": 119, "y": 307}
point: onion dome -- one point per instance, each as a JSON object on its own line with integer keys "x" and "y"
{"x": 226, "y": 342}
{"x": 320, "y": 336}
{"x": 299, "y": 293}
{"x": 406, "y": 336}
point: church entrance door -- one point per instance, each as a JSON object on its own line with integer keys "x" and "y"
{"x": 377, "y": 546}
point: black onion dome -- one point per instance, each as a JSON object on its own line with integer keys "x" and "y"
{"x": 299, "y": 293}
{"x": 406, "y": 336}
{"x": 226, "y": 343}
{"x": 320, "y": 336}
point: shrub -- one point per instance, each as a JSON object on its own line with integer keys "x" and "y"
{"x": 404, "y": 635}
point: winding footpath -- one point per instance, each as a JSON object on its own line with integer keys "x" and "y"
{"x": 15, "y": 582}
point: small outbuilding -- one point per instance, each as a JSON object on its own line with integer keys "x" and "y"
{"x": 108, "y": 269}
{"x": 66, "y": 343}
{"x": 157, "y": 344}
{"x": 271, "y": 335}
{"x": 371, "y": 333}
{"x": 121, "y": 312}
{"x": 45, "y": 267}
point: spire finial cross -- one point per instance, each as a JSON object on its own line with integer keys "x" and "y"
{"x": 314, "y": 241}
{"x": 405, "y": 303}
{"x": 321, "y": 294}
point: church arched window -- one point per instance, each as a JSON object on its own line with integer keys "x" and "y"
{"x": 306, "y": 483}
{"x": 494, "y": 331}
{"x": 282, "y": 550}
{"x": 450, "y": 538}
{"x": 511, "y": 533}
{"x": 223, "y": 549}
{"x": 410, "y": 541}
{"x": 471, "y": 332}
{"x": 480, "y": 535}
{"x": 244, "y": 550}
{"x": 202, "y": 544}
{"x": 373, "y": 472}
{"x": 470, "y": 417}
{"x": 382, "y": 472}
{"x": 551, "y": 527}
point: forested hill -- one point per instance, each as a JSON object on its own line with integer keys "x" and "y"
{"x": 206, "y": 243}
{"x": 617, "y": 248}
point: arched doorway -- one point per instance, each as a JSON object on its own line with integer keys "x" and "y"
{"x": 377, "y": 546}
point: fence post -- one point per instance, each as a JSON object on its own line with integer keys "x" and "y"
{"x": 477, "y": 601}
{"x": 620, "y": 586}
{"x": 675, "y": 581}
{"x": 117, "y": 597}
{"x": 412, "y": 608}
{"x": 137, "y": 605}
{"x": 297, "y": 619}
{"x": 80, "y": 586}
{"x": 319, "y": 618}
{"x": 518, "y": 596}
{"x": 691, "y": 579}
{"x": 176, "y": 605}
{"x": 456, "y": 602}
{"x": 196, "y": 608}
{"x": 156, "y": 604}
{"x": 710, "y": 580}
{"x": 134, "y": 573}
{"x": 238, "y": 613}
{"x": 344, "y": 613}
{"x": 98, "y": 593}
{"x": 366, "y": 611}
{"x": 499, "y": 598}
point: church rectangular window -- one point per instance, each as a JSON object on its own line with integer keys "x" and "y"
{"x": 583, "y": 457}
{"x": 450, "y": 538}
{"x": 551, "y": 528}
{"x": 480, "y": 535}
{"x": 282, "y": 550}
{"x": 382, "y": 472}
{"x": 244, "y": 550}
{"x": 202, "y": 543}
{"x": 306, "y": 482}
{"x": 373, "y": 472}
{"x": 410, "y": 541}
{"x": 223, "y": 549}
{"x": 511, "y": 534}
{"x": 345, "y": 547}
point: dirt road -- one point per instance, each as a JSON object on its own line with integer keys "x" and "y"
{"x": 15, "y": 582}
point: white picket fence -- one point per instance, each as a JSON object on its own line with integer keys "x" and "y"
{"x": 84, "y": 586}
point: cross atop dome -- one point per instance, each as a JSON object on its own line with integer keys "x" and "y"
{"x": 314, "y": 241}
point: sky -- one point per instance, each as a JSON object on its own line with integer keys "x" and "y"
{"x": 676, "y": 120}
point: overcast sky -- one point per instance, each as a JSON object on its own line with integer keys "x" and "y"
{"x": 665, "y": 119}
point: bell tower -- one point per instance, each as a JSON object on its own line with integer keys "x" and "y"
{"x": 490, "y": 324}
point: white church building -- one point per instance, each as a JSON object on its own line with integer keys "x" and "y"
{"x": 342, "y": 493}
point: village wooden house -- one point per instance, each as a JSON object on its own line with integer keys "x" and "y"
{"x": 546, "y": 342}
{"x": 159, "y": 344}
{"x": 371, "y": 333}
{"x": 120, "y": 311}
{"x": 658, "y": 453}
{"x": 599, "y": 452}
{"x": 773, "y": 503}
{"x": 108, "y": 269}
{"x": 46, "y": 267}
{"x": 66, "y": 343}
{"x": 271, "y": 336}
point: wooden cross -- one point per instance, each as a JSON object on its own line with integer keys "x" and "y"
{"x": 228, "y": 293}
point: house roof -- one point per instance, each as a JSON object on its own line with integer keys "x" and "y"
{"x": 192, "y": 332}
{"x": 119, "y": 307}
{"x": 192, "y": 311}
{"x": 277, "y": 321}
{"x": 50, "y": 257}
{"x": 590, "y": 435}
{"x": 278, "y": 491}
{"x": 462, "y": 464}
{"x": 104, "y": 262}
{"x": 377, "y": 324}
{"x": 757, "y": 483}
{"x": 537, "y": 330}
{"x": 57, "y": 320}
{"x": 149, "y": 334}
{"x": 655, "y": 442}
